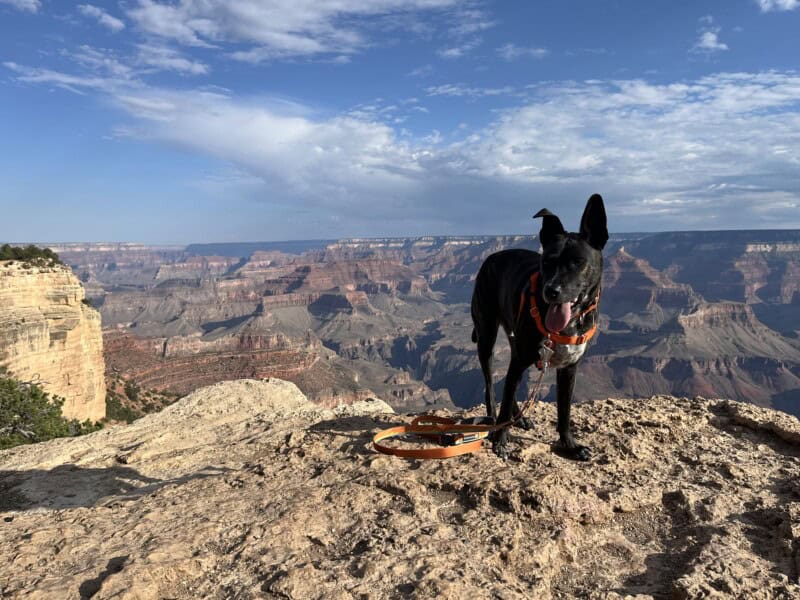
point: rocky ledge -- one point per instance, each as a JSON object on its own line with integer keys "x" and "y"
{"x": 247, "y": 490}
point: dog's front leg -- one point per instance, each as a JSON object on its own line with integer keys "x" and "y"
{"x": 567, "y": 446}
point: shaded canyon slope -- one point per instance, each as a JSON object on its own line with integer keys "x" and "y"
{"x": 247, "y": 490}
{"x": 685, "y": 313}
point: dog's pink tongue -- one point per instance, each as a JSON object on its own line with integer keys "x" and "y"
{"x": 558, "y": 315}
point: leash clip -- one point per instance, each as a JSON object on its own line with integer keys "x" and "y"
{"x": 545, "y": 353}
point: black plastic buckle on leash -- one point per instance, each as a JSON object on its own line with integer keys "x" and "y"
{"x": 456, "y": 439}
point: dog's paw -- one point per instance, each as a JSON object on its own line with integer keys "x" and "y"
{"x": 576, "y": 452}
{"x": 525, "y": 423}
{"x": 501, "y": 449}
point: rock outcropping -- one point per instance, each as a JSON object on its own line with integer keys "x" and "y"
{"x": 247, "y": 490}
{"x": 48, "y": 334}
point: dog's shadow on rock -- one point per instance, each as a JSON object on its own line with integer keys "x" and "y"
{"x": 71, "y": 486}
{"x": 91, "y": 586}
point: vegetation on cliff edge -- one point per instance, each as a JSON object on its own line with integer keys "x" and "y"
{"x": 127, "y": 401}
{"x": 28, "y": 414}
{"x": 30, "y": 254}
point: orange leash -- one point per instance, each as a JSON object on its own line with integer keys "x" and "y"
{"x": 462, "y": 438}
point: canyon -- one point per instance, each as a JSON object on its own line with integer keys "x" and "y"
{"x": 715, "y": 314}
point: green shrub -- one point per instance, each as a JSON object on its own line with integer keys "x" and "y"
{"x": 30, "y": 254}
{"x": 132, "y": 390}
{"x": 116, "y": 411}
{"x": 28, "y": 414}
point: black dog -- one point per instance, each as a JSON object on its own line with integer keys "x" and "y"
{"x": 567, "y": 287}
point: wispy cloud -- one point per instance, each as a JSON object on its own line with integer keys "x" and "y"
{"x": 101, "y": 61}
{"x": 466, "y": 22}
{"x": 26, "y": 5}
{"x": 775, "y": 5}
{"x": 511, "y": 52}
{"x": 585, "y": 51}
{"x": 463, "y": 91}
{"x": 423, "y": 71}
{"x": 460, "y": 50}
{"x": 102, "y": 17}
{"x": 273, "y": 28}
{"x": 79, "y": 84}
{"x": 164, "y": 58}
{"x": 469, "y": 20}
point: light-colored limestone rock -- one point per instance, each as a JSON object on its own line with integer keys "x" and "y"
{"x": 47, "y": 334}
{"x": 246, "y": 490}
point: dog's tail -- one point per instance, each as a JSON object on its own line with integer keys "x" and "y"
{"x": 474, "y": 336}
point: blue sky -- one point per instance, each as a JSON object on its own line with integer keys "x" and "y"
{"x": 234, "y": 120}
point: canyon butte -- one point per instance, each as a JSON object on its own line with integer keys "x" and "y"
{"x": 49, "y": 335}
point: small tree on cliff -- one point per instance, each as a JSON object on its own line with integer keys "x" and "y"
{"x": 28, "y": 414}
{"x": 30, "y": 254}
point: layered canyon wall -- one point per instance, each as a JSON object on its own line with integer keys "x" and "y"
{"x": 50, "y": 336}
{"x": 687, "y": 313}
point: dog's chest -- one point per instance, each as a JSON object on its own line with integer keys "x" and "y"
{"x": 566, "y": 354}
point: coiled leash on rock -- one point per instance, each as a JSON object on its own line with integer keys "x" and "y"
{"x": 455, "y": 437}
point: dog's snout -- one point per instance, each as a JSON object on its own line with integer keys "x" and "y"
{"x": 551, "y": 292}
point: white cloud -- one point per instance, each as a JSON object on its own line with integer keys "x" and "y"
{"x": 148, "y": 59}
{"x": 708, "y": 41}
{"x": 708, "y": 37}
{"x": 26, "y": 5}
{"x": 692, "y": 148}
{"x": 340, "y": 161}
{"x": 105, "y": 19}
{"x": 274, "y": 28}
{"x": 102, "y": 61}
{"x": 460, "y": 50}
{"x": 468, "y": 21}
{"x": 644, "y": 133}
{"x": 74, "y": 83}
{"x": 461, "y": 90}
{"x": 774, "y": 5}
{"x": 703, "y": 153}
{"x": 163, "y": 58}
{"x": 511, "y": 52}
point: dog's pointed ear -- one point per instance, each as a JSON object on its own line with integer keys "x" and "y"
{"x": 594, "y": 228}
{"x": 551, "y": 226}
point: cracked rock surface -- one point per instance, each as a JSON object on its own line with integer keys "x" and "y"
{"x": 246, "y": 490}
